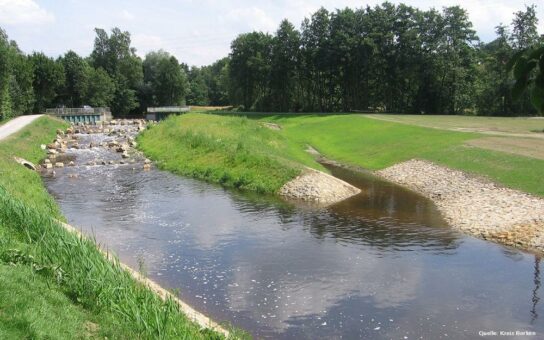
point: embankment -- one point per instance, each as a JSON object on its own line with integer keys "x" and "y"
{"x": 474, "y": 204}
{"x": 87, "y": 295}
{"x": 241, "y": 153}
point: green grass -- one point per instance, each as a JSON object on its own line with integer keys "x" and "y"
{"x": 477, "y": 123}
{"x": 56, "y": 285}
{"x": 27, "y": 185}
{"x": 239, "y": 151}
{"x": 233, "y": 151}
{"x": 375, "y": 144}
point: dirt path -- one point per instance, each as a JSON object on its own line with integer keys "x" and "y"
{"x": 16, "y": 124}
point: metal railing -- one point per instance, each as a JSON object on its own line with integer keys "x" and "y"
{"x": 71, "y": 111}
{"x": 168, "y": 109}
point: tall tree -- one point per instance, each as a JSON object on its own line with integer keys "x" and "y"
{"x": 77, "y": 75}
{"x": 524, "y": 28}
{"x": 285, "y": 65}
{"x": 165, "y": 81}
{"x": 48, "y": 81}
{"x": 249, "y": 69}
{"x": 114, "y": 54}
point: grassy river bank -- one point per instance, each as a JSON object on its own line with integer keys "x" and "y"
{"x": 56, "y": 285}
{"x": 263, "y": 152}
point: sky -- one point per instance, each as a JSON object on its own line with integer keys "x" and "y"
{"x": 197, "y": 32}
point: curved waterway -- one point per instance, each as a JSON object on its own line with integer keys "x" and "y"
{"x": 381, "y": 265}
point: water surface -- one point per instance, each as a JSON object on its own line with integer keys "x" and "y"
{"x": 381, "y": 265}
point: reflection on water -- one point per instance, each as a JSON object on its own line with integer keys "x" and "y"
{"x": 379, "y": 265}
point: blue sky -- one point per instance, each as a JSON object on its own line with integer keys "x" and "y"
{"x": 197, "y": 32}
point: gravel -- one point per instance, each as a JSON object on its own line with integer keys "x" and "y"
{"x": 475, "y": 205}
{"x": 318, "y": 187}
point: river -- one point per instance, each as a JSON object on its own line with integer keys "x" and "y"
{"x": 381, "y": 265}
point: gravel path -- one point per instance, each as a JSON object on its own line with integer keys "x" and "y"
{"x": 475, "y": 205}
{"x": 16, "y": 124}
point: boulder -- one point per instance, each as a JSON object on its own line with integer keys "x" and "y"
{"x": 59, "y": 165}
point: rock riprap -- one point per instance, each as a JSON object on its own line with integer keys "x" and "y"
{"x": 475, "y": 204}
{"x": 318, "y": 187}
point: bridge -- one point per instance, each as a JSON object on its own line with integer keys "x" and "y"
{"x": 160, "y": 113}
{"x": 81, "y": 115}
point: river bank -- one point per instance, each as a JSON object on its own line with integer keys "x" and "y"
{"x": 475, "y": 205}
{"x": 240, "y": 153}
{"x": 86, "y": 295}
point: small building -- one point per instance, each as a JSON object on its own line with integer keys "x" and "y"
{"x": 85, "y": 114}
{"x": 160, "y": 113}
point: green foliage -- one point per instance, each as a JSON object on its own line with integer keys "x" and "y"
{"x": 528, "y": 69}
{"x": 198, "y": 89}
{"x": 114, "y": 54}
{"x": 78, "y": 75}
{"x": 100, "y": 88}
{"x": 164, "y": 80}
{"x": 233, "y": 151}
{"x": 48, "y": 81}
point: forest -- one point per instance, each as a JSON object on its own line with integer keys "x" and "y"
{"x": 387, "y": 58}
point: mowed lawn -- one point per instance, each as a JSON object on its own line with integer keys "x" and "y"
{"x": 376, "y": 144}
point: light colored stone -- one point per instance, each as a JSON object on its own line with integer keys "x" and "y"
{"x": 318, "y": 187}
{"x": 474, "y": 204}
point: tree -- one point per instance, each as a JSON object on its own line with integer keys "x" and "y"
{"x": 165, "y": 82}
{"x": 528, "y": 68}
{"x": 114, "y": 54}
{"x": 100, "y": 89}
{"x": 524, "y": 28}
{"x": 48, "y": 81}
{"x": 249, "y": 70}
{"x": 198, "y": 89}
{"x": 77, "y": 77}
{"x": 285, "y": 63}
{"x": 5, "y": 75}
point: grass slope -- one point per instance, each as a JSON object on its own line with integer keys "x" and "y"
{"x": 375, "y": 144}
{"x": 56, "y": 285}
{"x": 27, "y": 185}
{"x": 233, "y": 151}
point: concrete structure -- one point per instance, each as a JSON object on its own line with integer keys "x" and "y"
{"x": 82, "y": 115}
{"x": 160, "y": 113}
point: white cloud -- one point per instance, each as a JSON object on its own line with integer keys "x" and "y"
{"x": 13, "y": 12}
{"x": 147, "y": 42}
{"x": 126, "y": 15}
{"x": 253, "y": 18}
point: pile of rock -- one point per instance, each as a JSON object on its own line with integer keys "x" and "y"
{"x": 318, "y": 187}
{"x": 475, "y": 205}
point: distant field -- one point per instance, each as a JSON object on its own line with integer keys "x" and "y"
{"x": 376, "y": 144}
{"x": 515, "y": 125}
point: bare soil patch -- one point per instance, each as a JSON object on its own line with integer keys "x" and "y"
{"x": 528, "y": 147}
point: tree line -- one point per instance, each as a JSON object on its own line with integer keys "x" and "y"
{"x": 387, "y": 58}
{"x": 113, "y": 76}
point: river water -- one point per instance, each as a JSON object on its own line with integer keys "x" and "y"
{"x": 381, "y": 265}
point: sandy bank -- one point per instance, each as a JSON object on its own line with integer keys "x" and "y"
{"x": 318, "y": 187}
{"x": 475, "y": 205}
